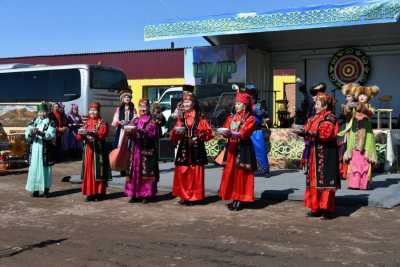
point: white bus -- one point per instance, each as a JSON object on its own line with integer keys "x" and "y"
{"x": 23, "y": 86}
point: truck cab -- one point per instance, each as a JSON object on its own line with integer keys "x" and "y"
{"x": 165, "y": 99}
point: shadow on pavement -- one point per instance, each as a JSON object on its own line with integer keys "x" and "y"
{"x": 163, "y": 197}
{"x": 277, "y": 196}
{"x": 65, "y": 192}
{"x": 346, "y": 211}
{"x": 385, "y": 183}
{"x": 353, "y": 200}
{"x": 114, "y": 195}
{"x": 14, "y": 172}
{"x": 9, "y": 252}
{"x": 208, "y": 200}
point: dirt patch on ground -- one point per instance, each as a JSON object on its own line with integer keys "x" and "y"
{"x": 66, "y": 231}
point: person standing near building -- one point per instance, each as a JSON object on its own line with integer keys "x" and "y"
{"x": 190, "y": 132}
{"x": 158, "y": 118}
{"x": 322, "y": 177}
{"x": 74, "y": 120}
{"x": 57, "y": 115}
{"x": 258, "y": 137}
{"x": 95, "y": 164}
{"x": 347, "y": 113}
{"x": 237, "y": 182}
{"x": 40, "y": 133}
{"x": 124, "y": 114}
{"x": 141, "y": 184}
{"x": 360, "y": 148}
{"x": 310, "y": 103}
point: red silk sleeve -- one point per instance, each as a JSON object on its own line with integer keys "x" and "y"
{"x": 247, "y": 128}
{"x": 79, "y": 137}
{"x": 227, "y": 123}
{"x": 174, "y": 136}
{"x": 327, "y": 131}
{"x": 102, "y": 131}
{"x": 204, "y": 130}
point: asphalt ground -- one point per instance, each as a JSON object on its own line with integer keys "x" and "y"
{"x": 63, "y": 230}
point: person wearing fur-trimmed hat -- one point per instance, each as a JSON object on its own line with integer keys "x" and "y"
{"x": 190, "y": 133}
{"x": 123, "y": 115}
{"x": 360, "y": 146}
{"x": 237, "y": 182}
{"x": 40, "y": 133}
{"x": 347, "y": 110}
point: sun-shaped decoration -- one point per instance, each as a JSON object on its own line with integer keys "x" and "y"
{"x": 349, "y": 65}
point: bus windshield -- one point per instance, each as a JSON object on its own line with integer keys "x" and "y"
{"x": 103, "y": 78}
{"x": 34, "y": 86}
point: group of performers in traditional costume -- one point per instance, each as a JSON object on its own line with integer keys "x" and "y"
{"x": 137, "y": 134}
{"x": 329, "y": 154}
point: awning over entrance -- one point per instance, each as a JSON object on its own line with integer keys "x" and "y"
{"x": 240, "y": 27}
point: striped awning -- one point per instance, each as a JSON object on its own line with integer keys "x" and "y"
{"x": 354, "y": 13}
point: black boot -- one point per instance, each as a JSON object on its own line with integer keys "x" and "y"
{"x": 239, "y": 206}
{"x": 182, "y": 202}
{"x": 327, "y": 215}
{"x": 314, "y": 214}
{"x": 46, "y": 193}
{"x": 35, "y": 194}
{"x": 100, "y": 197}
{"x": 232, "y": 205}
{"x": 133, "y": 200}
{"x": 89, "y": 198}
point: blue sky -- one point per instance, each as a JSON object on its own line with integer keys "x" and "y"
{"x": 43, "y": 27}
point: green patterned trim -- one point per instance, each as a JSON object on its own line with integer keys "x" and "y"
{"x": 316, "y": 17}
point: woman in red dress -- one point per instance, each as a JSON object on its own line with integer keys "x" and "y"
{"x": 190, "y": 133}
{"x": 237, "y": 183}
{"x": 323, "y": 177}
{"x": 95, "y": 164}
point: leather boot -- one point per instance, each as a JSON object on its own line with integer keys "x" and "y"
{"x": 46, "y": 193}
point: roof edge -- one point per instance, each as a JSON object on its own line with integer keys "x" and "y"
{"x": 99, "y": 53}
{"x": 355, "y": 13}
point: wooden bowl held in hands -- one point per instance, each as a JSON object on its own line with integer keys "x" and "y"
{"x": 223, "y": 130}
{"x": 129, "y": 127}
{"x": 179, "y": 129}
{"x": 82, "y": 131}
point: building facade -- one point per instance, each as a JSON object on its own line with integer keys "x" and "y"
{"x": 149, "y": 72}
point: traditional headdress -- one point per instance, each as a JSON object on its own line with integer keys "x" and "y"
{"x": 242, "y": 95}
{"x": 74, "y": 107}
{"x": 326, "y": 100}
{"x": 188, "y": 92}
{"x": 349, "y": 88}
{"x": 42, "y": 107}
{"x": 318, "y": 88}
{"x": 125, "y": 92}
{"x": 95, "y": 105}
{"x": 369, "y": 91}
{"x": 144, "y": 102}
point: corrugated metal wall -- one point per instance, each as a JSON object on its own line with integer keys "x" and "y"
{"x": 146, "y": 64}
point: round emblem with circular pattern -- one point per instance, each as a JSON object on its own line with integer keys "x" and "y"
{"x": 349, "y": 65}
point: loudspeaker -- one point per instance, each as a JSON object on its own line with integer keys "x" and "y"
{"x": 166, "y": 151}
